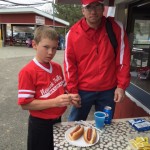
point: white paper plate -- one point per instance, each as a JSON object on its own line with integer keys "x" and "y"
{"x": 80, "y": 142}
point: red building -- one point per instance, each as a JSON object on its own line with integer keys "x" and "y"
{"x": 27, "y": 17}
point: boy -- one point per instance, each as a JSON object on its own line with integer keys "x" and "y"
{"x": 41, "y": 90}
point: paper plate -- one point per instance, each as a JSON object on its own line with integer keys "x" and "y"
{"x": 80, "y": 142}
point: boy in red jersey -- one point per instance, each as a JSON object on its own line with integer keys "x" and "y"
{"x": 41, "y": 90}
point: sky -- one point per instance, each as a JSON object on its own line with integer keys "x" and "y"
{"x": 24, "y": 2}
{"x": 45, "y": 5}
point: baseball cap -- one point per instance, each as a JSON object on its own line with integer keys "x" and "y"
{"x": 87, "y": 2}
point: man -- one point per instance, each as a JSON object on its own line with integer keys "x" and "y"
{"x": 93, "y": 69}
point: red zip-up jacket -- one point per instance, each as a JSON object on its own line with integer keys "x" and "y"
{"x": 90, "y": 62}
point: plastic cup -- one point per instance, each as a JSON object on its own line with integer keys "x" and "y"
{"x": 99, "y": 119}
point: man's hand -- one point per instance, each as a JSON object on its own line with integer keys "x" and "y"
{"x": 119, "y": 95}
{"x": 76, "y": 100}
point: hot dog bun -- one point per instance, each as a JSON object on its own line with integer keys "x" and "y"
{"x": 90, "y": 136}
{"x": 76, "y": 133}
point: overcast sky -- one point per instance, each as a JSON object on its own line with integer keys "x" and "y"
{"x": 45, "y": 5}
{"x": 24, "y": 2}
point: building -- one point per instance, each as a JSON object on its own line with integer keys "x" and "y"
{"x": 27, "y": 17}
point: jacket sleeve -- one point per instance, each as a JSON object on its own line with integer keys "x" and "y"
{"x": 122, "y": 58}
{"x": 70, "y": 65}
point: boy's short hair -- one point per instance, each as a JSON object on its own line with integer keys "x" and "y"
{"x": 42, "y": 32}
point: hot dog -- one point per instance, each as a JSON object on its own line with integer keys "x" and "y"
{"x": 76, "y": 133}
{"x": 90, "y": 135}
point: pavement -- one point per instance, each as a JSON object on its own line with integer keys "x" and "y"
{"x": 13, "y": 120}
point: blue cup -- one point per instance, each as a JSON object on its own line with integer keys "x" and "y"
{"x": 99, "y": 117}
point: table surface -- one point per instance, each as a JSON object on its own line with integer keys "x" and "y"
{"x": 114, "y": 136}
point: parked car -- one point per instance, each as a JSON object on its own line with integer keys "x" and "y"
{"x": 23, "y": 38}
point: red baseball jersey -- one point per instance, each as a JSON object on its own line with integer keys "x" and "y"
{"x": 38, "y": 81}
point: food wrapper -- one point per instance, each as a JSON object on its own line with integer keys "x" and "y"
{"x": 140, "y": 142}
{"x": 140, "y": 124}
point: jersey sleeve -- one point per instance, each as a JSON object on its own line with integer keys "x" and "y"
{"x": 26, "y": 89}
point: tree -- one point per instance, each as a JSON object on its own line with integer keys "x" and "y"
{"x": 67, "y": 12}
{"x": 137, "y": 28}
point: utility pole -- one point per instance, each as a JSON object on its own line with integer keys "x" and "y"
{"x": 53, "y": 14}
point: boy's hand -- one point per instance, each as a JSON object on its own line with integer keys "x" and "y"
{"x": 76, "y": 100}
{"x": 63, "y": 100}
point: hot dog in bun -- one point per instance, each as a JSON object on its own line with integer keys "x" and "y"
{"x": 90, "y": 135}
{"x": 76, "y": 133}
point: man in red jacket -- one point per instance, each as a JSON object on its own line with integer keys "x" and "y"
{"x": 92, "y": 68}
